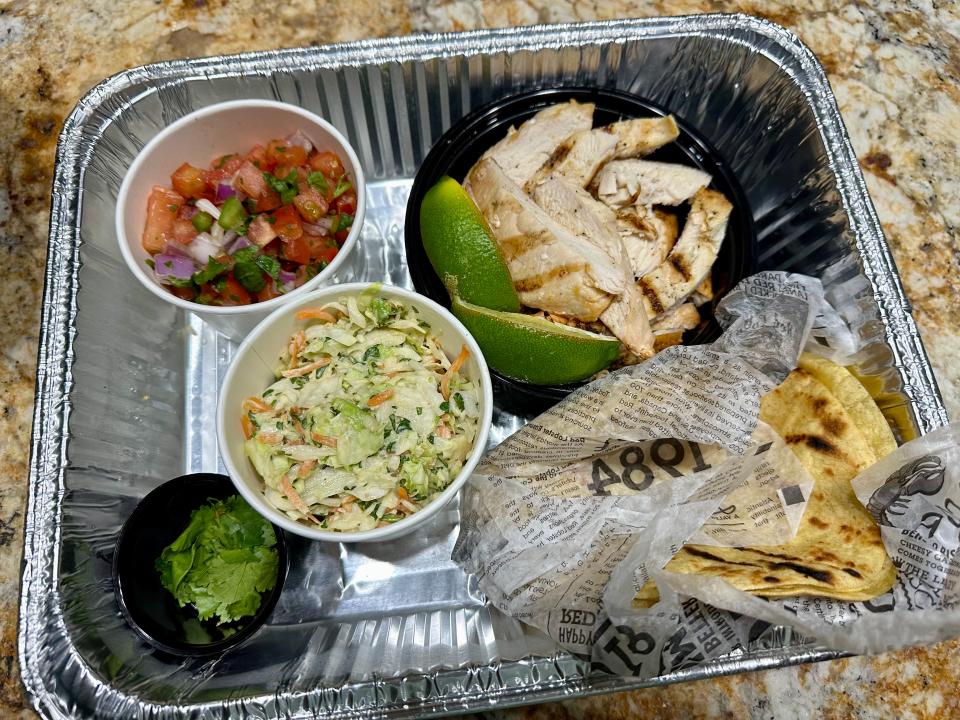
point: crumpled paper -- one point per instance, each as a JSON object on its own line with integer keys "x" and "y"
{"x": 568, "y": 518}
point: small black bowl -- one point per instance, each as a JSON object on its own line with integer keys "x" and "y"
{"x": 148, "y": 607}
{"x": 462, "y": 145}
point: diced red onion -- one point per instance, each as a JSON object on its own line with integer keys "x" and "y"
{"x": 321, "y": 227}
{"x": 300, "y": 140}
{"x": 228, "y": 237}
{"x": 203, "y": 248}
{"x": 217, "y": 234}
{"x": 224, "y": 191}
{"x": 239, "y": 244}
{"x": 286, "y": 277}
{"x": 175, "y": 248}
{"x": 208, "y": 207}
{"x": 173, "y": 266}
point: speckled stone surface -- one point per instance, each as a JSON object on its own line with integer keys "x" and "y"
{"x": 894, "y": 66}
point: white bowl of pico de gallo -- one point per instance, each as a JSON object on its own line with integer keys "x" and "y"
{"x": 236, "y": 208}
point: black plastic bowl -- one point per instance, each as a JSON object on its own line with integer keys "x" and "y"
{"x": 148, "y": 607}
{"x": 463, "y": 144}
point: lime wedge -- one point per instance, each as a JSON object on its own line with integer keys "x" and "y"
{"x": 462, "y": 249}
{"x": 535, "y": 350}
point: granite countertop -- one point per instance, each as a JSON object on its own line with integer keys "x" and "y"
{"x": 894, "y": 66}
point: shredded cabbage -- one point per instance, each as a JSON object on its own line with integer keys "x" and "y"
{"x": 355, "y": 432}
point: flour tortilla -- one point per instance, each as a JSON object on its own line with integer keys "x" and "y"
{"x": 837, "y": 551}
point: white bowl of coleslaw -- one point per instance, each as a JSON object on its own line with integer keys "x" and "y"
{"x": 355, "y": 413}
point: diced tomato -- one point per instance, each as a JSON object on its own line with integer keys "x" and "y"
{"x": 297, "y": 250}
{"x": 250, "y": 181}
{"x": 321, "y": 248}
{"x": 346, "y": 203}
{"x": 184, "y": 293}
{"x": 327, "y": 254}
{"x": 269, "y": 292}
{"x": 272, "y": 249}
{"x": 341, "y": 235}
{"x": 261, "y": 231}
{"x": 184, "y": 231}
{"x": 162, "y": 208}
{"x": 287, "y": 223}
{"x": 281, "y": 152}
{"x": 188, "y": 181}
{"x": 328, "y": 163}
{"x": 258, "y": 156}
{"x": 233, "y": 292}
{"x": 311, "y": 205}
{"x": 223, "y": 168}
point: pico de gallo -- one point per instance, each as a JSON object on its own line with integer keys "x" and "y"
{"x": 251, "y": 226}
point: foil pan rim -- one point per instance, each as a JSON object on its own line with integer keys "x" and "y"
{"x": 58, "y": 328}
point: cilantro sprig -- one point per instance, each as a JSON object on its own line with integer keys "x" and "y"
{"x": 222, "y": 561}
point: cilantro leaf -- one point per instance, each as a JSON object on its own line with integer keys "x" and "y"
{"x": 318, "y": 181}
{"x": 222, "y": 561}
{"x": 342, "y": 186}
{"x": 270, "y": 265}
{"x": 249, "y": 275}
{"x": 210, "y": 272}
{"x": 287, "y": 187}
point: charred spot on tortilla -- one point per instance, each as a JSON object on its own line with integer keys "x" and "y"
{"x": 703, "y": 554}
{"x": 833, "y": 425}
{"x": 852, "y": 573}
{"x": 771, "y": 579}
{"x": 818, "y": 523}
{"x": 814, "y": 442}
{"x": 823, "y": 576}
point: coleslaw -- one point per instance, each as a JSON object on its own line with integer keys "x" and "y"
{"x": 368, "y": 419}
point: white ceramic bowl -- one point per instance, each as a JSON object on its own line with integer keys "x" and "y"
{"x": 197, "y": 138}
{"x": 252, "y": 371}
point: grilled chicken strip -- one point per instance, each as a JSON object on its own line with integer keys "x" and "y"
{"x": 641, "y": 136}
{"x": 682, "y": 317}
{"x": 553, "y": 269}
{"x": 704, "y": 292}
{"x": 648, "y": 236}
{"x": 577, "y": 158}
{"x": 645, "y": 182}
{"x": 669, "y": 329}
{"x": 626, "y": 318}
{"x": 575, "y": 209}
{"x": 524, "y": 150}
{"x": 691, "y": 259}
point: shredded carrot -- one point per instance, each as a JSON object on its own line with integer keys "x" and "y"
{"x": 324, "y": 439}
{"x": 306, "y": 468}
{"x": 407, "y": 506}
{"x": 296, "y": 345}
{"x": 298, "y": 427}
{"x": 454, "y": 367}
{"x": 247, "y": 424}
{"x": 306, "y": 369}
{"x": 294, "y": 497}
{"x": 380, "y": 398}
{"x": 314, "y": 313}
{"x": 444, "y": 431}
{"x": 271, "y": 438}
{"x": 402, "y": 492}
{"x": 256, "y": 405}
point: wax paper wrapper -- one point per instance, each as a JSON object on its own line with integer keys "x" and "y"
{"x": 568, "y": 518}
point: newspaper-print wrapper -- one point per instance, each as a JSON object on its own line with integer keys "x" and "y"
{"x": 568, "y": 518}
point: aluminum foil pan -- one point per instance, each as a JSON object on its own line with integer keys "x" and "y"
{"x": 126, "y": 388}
